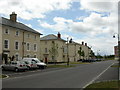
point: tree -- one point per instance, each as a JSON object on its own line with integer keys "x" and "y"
{"x": 53, "y": 51}
{"x": 83, "y": 54}
{"x": 80, "y": 52}
{"x": 92, "y": 54}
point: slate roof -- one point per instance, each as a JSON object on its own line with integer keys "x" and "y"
{"x": 18, "y": 25}
{"x": 73, "y": 43}
{"x": 51, "y": 37}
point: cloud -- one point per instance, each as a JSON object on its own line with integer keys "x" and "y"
{"x": 29, "y": 25}
{"x": 104, "y": 44}
{"x": 65, "y": 36}
{"x": 99, "y": 5}
{"x": 93, "y": 24}
{"x": 29, "y": 9}
{"x": 98, "y": 30}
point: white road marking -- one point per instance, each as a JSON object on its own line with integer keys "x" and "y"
{"x": 98, "y": 76}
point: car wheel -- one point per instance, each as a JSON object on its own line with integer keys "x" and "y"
{"x": 16, "y": 69}
{"x": 39, "y": 67}
{"x": 3, "y": 68}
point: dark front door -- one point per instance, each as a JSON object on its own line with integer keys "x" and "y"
{"x": 5, "y": 57}
{"x": 46, "y": 60}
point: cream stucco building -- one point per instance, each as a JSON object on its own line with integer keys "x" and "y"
{"x": 73, "y": 48}
{"x": 87, "y": 50}
{"x": 67, "y": 50}
{"x": 18, "y": 40}
{"x": 50, "y": 42}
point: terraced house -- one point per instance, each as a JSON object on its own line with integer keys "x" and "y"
{"x": 56, "y": 49}
{"x": 74, "y": 47}
{"x": 53, "y": 48}
{"x": 18, "y": 40}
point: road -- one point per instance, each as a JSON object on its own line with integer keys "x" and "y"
{"x": 74, "y": 77}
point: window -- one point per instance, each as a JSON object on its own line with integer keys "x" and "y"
{"x": 45, "y": 42}
{"x": 28, "y": 46}
{"x": 6, "y": 44}
{"x": 17, "y": 45}
{"x": 52, "y": 57}
{"x": 28, "y": 35}
{"x": 17, "y": 33}
{"x": 53, "y": 42}
{"x": 6, "y": 31}
{"x": 35, "y": 37}
{"x": 16, "y": 56}
{"x": 45, "y": 50}
{"x": 35, "y": 47}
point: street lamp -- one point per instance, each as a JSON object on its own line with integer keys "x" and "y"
{"x": 118, "y": 56}
{"x": 98, "y": 53}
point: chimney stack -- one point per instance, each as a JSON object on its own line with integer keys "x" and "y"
{"x": 59, "y": 35}
{"x": 70, "y": 40}
{"x": 13, "y": 17}
{"x": 85, "y": 44}
{"x": 82, "y": 43}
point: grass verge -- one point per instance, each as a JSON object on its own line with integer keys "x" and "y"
{"x": 106, "y": 84}
{"x": 79, "y": 63}
{"x": 3, "y": 76}
{"x": 115, "y": 66}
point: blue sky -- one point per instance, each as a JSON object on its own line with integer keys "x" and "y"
{"x": 91, "y": 21}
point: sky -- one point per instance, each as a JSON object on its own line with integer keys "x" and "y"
{"x": 92, "y": 21}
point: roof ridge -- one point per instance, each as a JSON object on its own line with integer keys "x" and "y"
{"x": 19, "y": 25}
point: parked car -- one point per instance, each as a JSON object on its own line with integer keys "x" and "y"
{"x": 15, "y": 65}
{"x": 39, "y": 64}
{"x": 30, "y": 64}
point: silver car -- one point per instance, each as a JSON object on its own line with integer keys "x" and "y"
{"x": 15, "y": 65}
{"x": 30, "y": 64}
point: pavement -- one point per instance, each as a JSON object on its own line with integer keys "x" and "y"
{"x": 110, "y": 74}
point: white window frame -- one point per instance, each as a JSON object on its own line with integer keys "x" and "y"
{"x": 35, "y": 36}
{"x": 34, "y": 48}
{"x": 28, "y": 35}
{"x": 4, "y": 44}
{"x": 16, "y": 33}
{"x": 27, "y": 46}
{"x": 8, "y": 31}
{"x": 18, "y": 45}
{"x": 46, "y": 50}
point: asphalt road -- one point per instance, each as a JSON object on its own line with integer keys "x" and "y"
{"x": 74, "y": 77}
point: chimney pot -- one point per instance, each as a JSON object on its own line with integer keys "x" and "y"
{"x": 13, "y": 17}
{"x": 59, "y": 35}
{"x": 85, "y": 44}
{"x": 82, "y": 43}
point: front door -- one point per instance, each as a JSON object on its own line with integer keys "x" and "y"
{"x": 46, "y": 60}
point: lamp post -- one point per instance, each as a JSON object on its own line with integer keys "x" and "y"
{"x": 67, "y": 51}
{"x": 118, "y": 58}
